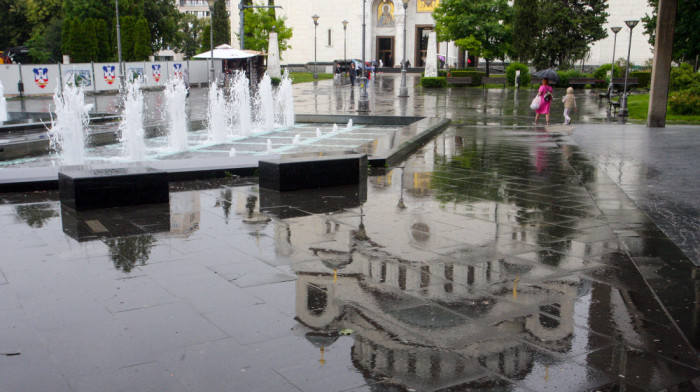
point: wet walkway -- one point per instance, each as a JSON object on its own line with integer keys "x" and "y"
{"x": 496, "y": 258}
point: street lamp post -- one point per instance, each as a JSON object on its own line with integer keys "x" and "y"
{"x": 119, "y": 50}
{"x": 211, "y": 40}
{"x": 315, "y": 18}
{"x": 345, "y": 41}
{"x": 623, "y": 101}
{"x": 612, "y": 65}
{"x": 363, "y": 102}
{"x": 403, "y": 90}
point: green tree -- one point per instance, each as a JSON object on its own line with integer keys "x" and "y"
{"x": 41, "y": 12}
{"x": 221, "y": 24}
{"x": 15, "y": 30}
{"x": 66, "y": 36}
{"x": 206, "y": 38}
{"x": 526, "y": 29}
{"x": 487, "y": 22}
{"x": 189, "y": 35}
{"x": 259, "y": 23}
{"x": 142, "y": 41}
{"x": 128, "y": 32}
{"x": 104, "y": 41}
{"x": 569, "y": 27}
{"x": 45, "y": 43}
{"x": 83, "y": 44}
{"x": 686, "y": 35}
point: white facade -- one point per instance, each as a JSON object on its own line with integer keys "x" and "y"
{"x": 379, "y": 31}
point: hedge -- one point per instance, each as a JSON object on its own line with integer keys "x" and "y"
{"x": 683, "y": 78}
{"x": 475, "y": 75}
{"x": 524, "y": 74}
{"x": 564, "y": 77}
{"x": 643, "y": 78}
{"x": 433, "y": 82}
{"x": 441, "y": 73}
{"x": 686, "y": 101}
{"x": 601, "y": 73}
{"x": 275, "y": 81}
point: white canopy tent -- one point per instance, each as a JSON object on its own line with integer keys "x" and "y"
{"x": 227, "y": 52}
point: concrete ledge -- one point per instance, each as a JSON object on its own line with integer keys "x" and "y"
{"x": 86, "y": 188}
{"x": 312, "y": 172}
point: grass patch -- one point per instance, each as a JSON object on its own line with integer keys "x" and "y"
{"x": 304, "y": 77}
{"x": 638, "y": 109}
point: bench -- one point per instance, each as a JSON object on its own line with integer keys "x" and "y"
{"x": 489, "y": 80}
{"x": 621, "y": 81}
{"x": 459, "y": 80}
{"x": 582, "y": 81}
{"x": 535, "y": 80}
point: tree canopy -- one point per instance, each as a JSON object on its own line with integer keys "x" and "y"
{"x": 259, "y": 23}
{"x": 686, "y": 36}
{"x": 221, "y": 24}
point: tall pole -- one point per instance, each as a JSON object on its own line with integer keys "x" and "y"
{"x": 241, "y": 27}
{"x": 119, "y": 50}
{"x": 623, "y": 100}
{"x": 403, "y": 90}
{"x": 363, "y": 103}
{"x": 315, "y": 18}
{"x": 345, "y": 41}
{"x": 612, "y": 64}
{"x": 211, "y": 41}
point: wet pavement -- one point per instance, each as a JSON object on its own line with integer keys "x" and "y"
{"x": 499, "y": 257}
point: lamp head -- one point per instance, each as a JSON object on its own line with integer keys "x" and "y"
{"x": 315, "y": 18}
{"x": 211, "y": 3}
{"x": 405, "y": 4}
{"x": 616, "y": 29}
{"x": 631, "y": 23}
{"x": 345, "y": 24}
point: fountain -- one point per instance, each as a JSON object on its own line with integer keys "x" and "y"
{"x": 3, "y": 104}
{"x": 67, "y": 133}
{"x": 349, "y": 124}
{"x": 218, "y": 115}
{"x": 318, "y": 132}
{"x": 269, "y": 146}
{"x": 264, "y": 111}
{"x": 284, "y": 102}
{"x": 297, "y": 139}
{"x": 240, "y": 93}
{"x": 176, "y": 109}
{"x": 131, "y": 126}
{"x": 335, "y": 128}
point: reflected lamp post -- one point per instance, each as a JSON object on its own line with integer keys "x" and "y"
{"x": 403, "y": 90}
{"x": 623, "y": 101}
{"x": 612, "y": 65}
{"x": 315, "y": 18}
{"x": 211, "y": 39}
{"x": 363, "y": 102}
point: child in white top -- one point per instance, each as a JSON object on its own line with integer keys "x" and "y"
{"x": 569, "y": 103}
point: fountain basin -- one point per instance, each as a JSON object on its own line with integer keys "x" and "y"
{"x": 291, "y": 174}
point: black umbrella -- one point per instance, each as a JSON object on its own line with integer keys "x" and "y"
{"x": 548, "y": 73}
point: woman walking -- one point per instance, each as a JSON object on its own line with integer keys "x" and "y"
{"x": 546, "y": 95}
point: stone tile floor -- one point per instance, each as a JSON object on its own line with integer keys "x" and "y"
{"x": 509, "y": 269}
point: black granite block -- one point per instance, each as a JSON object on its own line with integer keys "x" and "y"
{"x": 115, "y": 222}
{"x": 305, "y": 202}
{"x": 85, "y": 188}
{"x": 312, "y": 172}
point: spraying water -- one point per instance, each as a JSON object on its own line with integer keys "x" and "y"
{"x": 175, "y": 106}
{"x": 318, "y": 132}
{"x": 218, "y": 114}
{"x": 131, "y": 126}
{"x": 3, "y": 104}
{"x": 241, "y": 102}
{"x": 284, "y": 102}
{"x": 349, "y": 124}
{"x": 269, "y": 146}
{"x": 67, "y": 133}
{"x": 264, "y": 111}
{"x": 335, "y": 128}
{"x": 297, "y": 139}
{"x": 232, "y": 153}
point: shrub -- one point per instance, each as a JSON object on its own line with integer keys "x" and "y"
{"x": 601, "y": 73}
{"x": 441, "y": 73}
{"x": 683, "y": 78}
{"x": 275, "y": 81}
{"x": 433, "y": 82}
{"x": 564, "y": 77}
{"x": 643, "y": 78}
{"x": 475, "y": 75}
{"x": 524, "y": 74}
{"x": 685, "y": 102}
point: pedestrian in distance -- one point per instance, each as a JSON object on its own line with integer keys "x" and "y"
{"x": 337, "y": 75}
{"x": 546, "y": 96}
{"x": 352, "y": 73}
{"x": 569, "y": 103}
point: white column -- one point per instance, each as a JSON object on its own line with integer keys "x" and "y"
{"x": 273, "y": 57}
{"x": 431, "y": 56}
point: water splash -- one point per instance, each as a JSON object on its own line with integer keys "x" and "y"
{"x": 284, "y": 102}
{"x": 349, "y": 124}
{"x": 335, "y": 128}
{"x": 296, "y": 139}
{"x": 176, "y": 108}
{"x": 68, "y": 129}
{"x": 3, "y": 104}
{"x": 131, "y": 126}
{"x": 241, "y": 102}
{"x": 217, "y": 115}
{"x": 269, "y": 146}
{"x": 318, "y": 132}
{"x": 232, "y": 153}
{"x": 264, "y": 111}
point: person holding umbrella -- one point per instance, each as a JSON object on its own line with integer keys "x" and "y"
{"x": 546, "y": 94}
